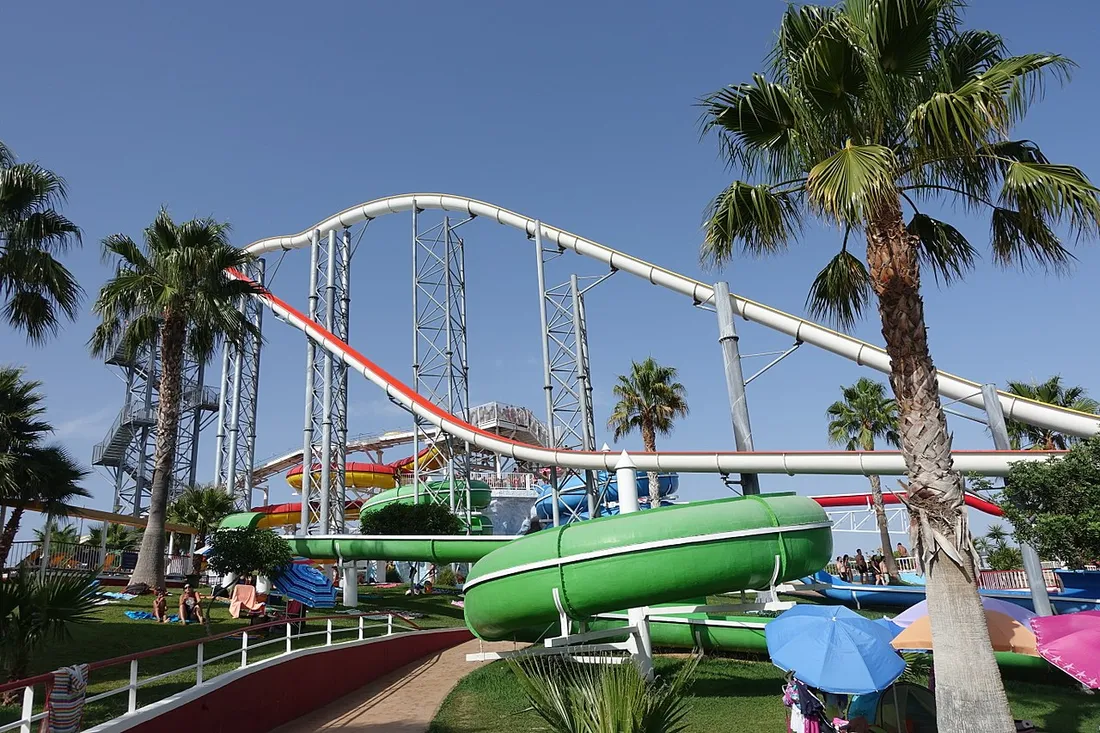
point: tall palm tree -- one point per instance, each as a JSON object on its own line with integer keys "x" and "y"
{"x": 869, "y": 107}
{"x": 173, "y": 293}
{"x": 36, "y": 290}
{"x": 1051, "y": 392}
{"x": 30, "y": 470}
{"x": 650, "y": 400}
{"x": 864, "y": 415}
{"x": 201, "y": 507}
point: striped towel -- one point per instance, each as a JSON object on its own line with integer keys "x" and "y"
{"x": 65, "y": 702}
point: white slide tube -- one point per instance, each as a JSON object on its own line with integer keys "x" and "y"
{"x": 884, "y": 463}
{"x": 956, "y": 388}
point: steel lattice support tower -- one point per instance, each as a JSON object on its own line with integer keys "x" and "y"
{"x": 440, "y": 365}
{"x": 127, "y": 450}
{"x": 325, "y": 429}
{"x": 566, "y": 368}
{"x": 235, "y": 449}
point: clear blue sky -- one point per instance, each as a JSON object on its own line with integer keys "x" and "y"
{"x": 274, "y": 115}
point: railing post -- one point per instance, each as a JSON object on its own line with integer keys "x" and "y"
{"x": 198, "y": 665}
{"x": 132, "y": 704}
{"x": 28, "y": 709}
{"x": 360, "y": 628}
{"x": 328, "y": 632}
{"x": 389, "y": 625}
{"x": 289, "y": 643}
{"x": 244, "y": 649}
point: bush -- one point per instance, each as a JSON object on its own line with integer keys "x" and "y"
{"x": 446, "y": 576}
{"x": 411, "y": 519}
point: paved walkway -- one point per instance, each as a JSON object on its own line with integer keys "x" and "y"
{"x": 404, "y": 701}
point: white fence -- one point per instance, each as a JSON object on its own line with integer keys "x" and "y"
{"x": 289, "y": 642}
{"x": 28, "y": 555}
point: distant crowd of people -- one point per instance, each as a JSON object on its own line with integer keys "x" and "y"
{"x": 870, "y": 571}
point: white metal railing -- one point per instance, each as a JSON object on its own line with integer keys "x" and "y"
{"x": 513, "y": 481}
{"x": 1013, "y": 579}
{"x": 27, "y": 555}
{"x": 333, "y": 636}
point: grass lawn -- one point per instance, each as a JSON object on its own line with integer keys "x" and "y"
{"x": 732, "y": 694}
{"x": 115, "y": 635}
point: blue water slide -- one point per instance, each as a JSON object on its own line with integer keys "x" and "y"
{"x": 573, "y": 502}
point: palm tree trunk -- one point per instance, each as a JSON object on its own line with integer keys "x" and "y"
{"x": 8, "y": 536}
{"x": 649, "y": 439}
{"x": 970, "y": 696}
{"x": 883, "y": 527}
{"x": 149, "y": 570}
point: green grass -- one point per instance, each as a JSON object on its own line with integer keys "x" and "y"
{"x": 115, "y": 635}
{"x": 732, "y": 694}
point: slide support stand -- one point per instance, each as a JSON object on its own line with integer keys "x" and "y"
{"x": 627, "y": 478}
{"x": 547, "y": 380}
{"x": 735, "y": 380}
{"x": 584, "y": 387}
{"x": 310, "y": 401}
{"x": 1033, "y": 568}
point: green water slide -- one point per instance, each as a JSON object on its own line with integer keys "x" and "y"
{"x": 480, "y": 494}
{"x": 657, "y": 556}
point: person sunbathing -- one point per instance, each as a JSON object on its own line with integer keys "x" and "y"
{"x": 160, "y": 606}
{"x": 190, "y": 607}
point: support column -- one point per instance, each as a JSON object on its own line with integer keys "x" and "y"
{"x": 995, "y": 418}
{"x": 547, "y": 384}
{"x": 735, "y": 380}
{"x": 350, "y": 585}
{"x": 415, "y": 362}
{"x": 307, "y": 430}
{"x": 325, "y": 484}
{"x": 627, "y": 479}
{"x": 584, "y": 387}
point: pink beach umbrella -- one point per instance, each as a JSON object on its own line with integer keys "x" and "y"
{"x": 1071, "y": 643}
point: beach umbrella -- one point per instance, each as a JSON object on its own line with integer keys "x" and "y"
{"x": 889, "y": 625}
{"x": 1008, "y": 608}
{"x": 1006, "y": 634}
{"x": 833, "y": 649}
{"x": 1072, "y": 644}
{"x": 306, "y": 584}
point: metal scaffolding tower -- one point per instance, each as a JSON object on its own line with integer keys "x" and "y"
{"x": 127, "y": 449}
{"x": 440, "y": 366}
{"x": 235, "y": 449}
{"x": 566, "y": 368}
{"x": 326, "y": 430}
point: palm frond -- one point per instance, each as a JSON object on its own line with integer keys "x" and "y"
{"x": 1054, "y": 193}
{"x": 37, "y": 291}
{"x": 903, "y": 33}
{"x": 942, "y": 247}
{"x": 762, "y": 219}
{"x": 853, "y": 182}
{"x": 1023, "y": 239}
{"x": 840, "y": 291}
{"x": 831, "y": 68}
{"x": 968, "y": 54}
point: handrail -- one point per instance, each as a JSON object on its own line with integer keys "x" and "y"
{"x": 1032, "y": 412}
{"x": 114, "y": 661}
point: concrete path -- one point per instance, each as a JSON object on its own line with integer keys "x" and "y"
{"x": 404, "y": 701}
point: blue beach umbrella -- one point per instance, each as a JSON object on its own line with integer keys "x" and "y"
{"x": 889, "y": 625}
{"x": 306, "y": 584}
{"x": 834, "y": 649}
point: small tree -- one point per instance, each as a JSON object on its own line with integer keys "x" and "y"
{"x": 411, "y": 519}
{"x": 33, "y": 611}
{"x": 1055, "y": 505}
{"x": 246, "y": 551}
{"x": 201, "y": 507}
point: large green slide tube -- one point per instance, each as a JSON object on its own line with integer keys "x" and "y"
{"x": 651, "y": 557}
{"x": 438, "y": 550}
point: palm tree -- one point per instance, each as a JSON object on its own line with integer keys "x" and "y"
{"x": 866, "y": 414}
{"x": 996, "y": 534}
{"x": 649, "y": 401}
{"x": 172, "y": 291}
{"x": 869, "y": 106}
{"x": 119, "y": 537}
{"x": 201, "y": 507}
{"x": 35, "y": 610}
{"x": 35, "y": 289}
{"x": 1051, "y": 392}
{"x": 30, "y": 470}
{"x": 60, "y": 533}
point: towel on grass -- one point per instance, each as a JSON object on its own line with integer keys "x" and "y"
{"x": 146, "y": 616}
{"x": 117, "y": 596}
{"x": 65, "y": 701}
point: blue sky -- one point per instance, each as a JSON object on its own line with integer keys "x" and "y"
{"x": 275, "y": 115}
